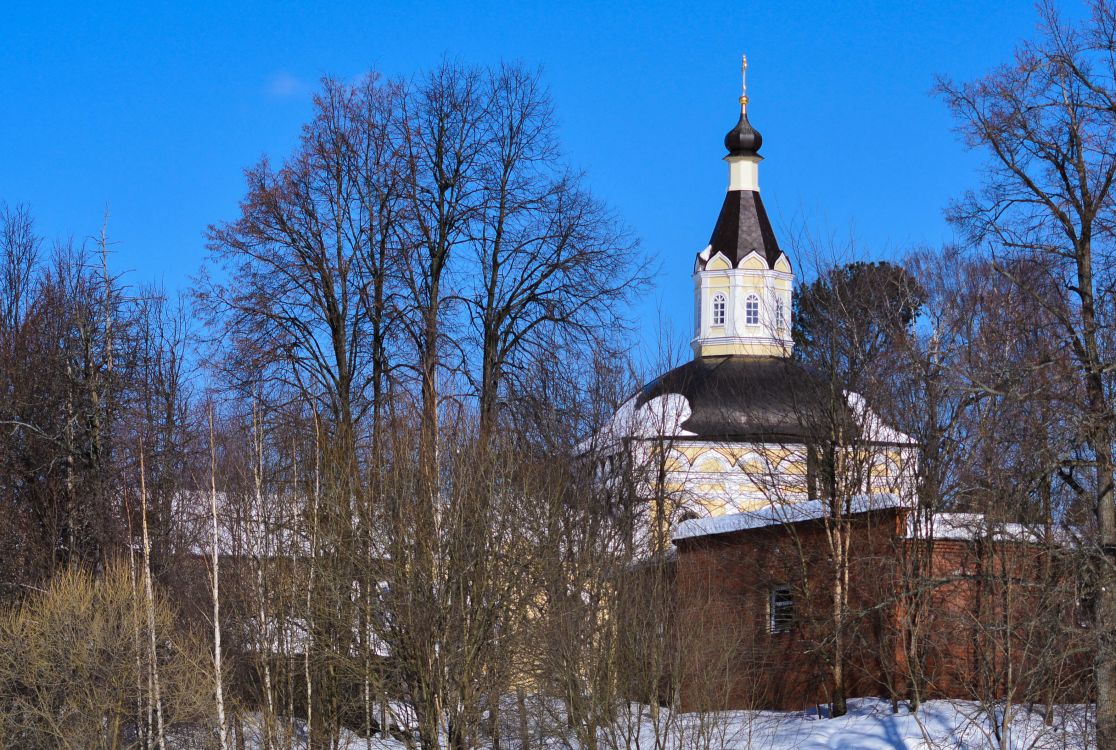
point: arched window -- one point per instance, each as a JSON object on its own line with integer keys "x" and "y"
{"x": 719, "y": 310}
{"x": 687, "y": 515}
{"x": 780, "y": 315}
{"x": 751, "y": 310}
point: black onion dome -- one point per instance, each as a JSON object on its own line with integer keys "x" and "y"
{"x": 743, "y": 140}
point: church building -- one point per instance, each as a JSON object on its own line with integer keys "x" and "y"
{"x": 742, "y": 426}
{"x": 785, "y": 506}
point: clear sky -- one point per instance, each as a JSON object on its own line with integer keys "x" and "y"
{"x": 152, "y": 110}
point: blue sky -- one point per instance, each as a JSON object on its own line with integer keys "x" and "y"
{"x": 153, "y": 110}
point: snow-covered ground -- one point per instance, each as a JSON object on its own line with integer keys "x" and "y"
{"x": 869, "y": 725}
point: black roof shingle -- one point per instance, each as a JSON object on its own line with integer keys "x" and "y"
{"x": 766, "y": 399}
{"x": 743, "y": 227}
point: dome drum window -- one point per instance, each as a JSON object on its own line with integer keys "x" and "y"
{"x": 719, "y": 310}
{"x": 752, "y": 310}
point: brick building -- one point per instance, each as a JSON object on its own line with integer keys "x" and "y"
{"x": 944, "y": 605}
{"x": 801, "y": 563}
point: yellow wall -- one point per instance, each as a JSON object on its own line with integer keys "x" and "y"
{"x": 716, "y": 478}
{"x": 759, "y": 350}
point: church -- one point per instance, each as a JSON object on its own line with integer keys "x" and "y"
{"x": 743, "y": 427}
{"x": 803, "y": 570}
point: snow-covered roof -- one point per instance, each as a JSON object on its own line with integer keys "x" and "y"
{"x": 782, "y": 513}
{"x": 875, "y": 429}
{"x": 659, "y": 417}
{"x": 970, "y": 526}
{"x": 267, "y": 526}
{"x": 941, "y": 526}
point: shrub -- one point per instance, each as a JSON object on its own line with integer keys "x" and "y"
{"x": 75, "y": 666}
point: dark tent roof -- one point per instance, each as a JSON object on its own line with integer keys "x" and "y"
{"x": 745, "y": 398}
{"x": 743, "y": 227}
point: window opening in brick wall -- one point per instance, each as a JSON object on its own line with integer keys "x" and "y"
{"x": 780, "y": 609}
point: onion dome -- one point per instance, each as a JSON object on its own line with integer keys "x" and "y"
{"x": 743, "y": 140}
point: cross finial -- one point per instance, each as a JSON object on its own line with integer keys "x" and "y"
{"x": 743, "y": 83}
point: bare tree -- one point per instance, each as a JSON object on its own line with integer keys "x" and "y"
{"x": 1046, "y": 123}
{"x": 20, "y": 248}
{"x": 549, "y": 262}
{"x": 64, "y": 383}
{"x": 308, "y": 309}
{"x": 848, "y": 323}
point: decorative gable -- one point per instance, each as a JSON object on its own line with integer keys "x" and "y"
{"x": 753, "y": 262}
{"x": 718, "y": 263}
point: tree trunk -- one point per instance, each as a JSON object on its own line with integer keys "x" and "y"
{"x": 215, "y": 592}
{"x": 152, "y": 651}
{"x": 524, "y": 725}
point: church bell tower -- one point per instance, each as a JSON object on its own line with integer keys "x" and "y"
{"x": 742, "y": 280}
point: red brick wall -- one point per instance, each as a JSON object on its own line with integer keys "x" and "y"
{"x": 1001, "y": 619}
{"x": 985, "y": 618}
{"x": 723, "y": 585}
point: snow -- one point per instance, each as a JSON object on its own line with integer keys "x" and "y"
{"x": 942, "y": 526}
{"x": 663, "y": 417}
{"x": 269, "y": 526}
{"x": 970, "y": 526}
{"x": 875, "y": 430}
{"x": 782, "y": 513}
{"x": 871, "y": 725}
{"x": 659, "y": 417}
{"x": 868, "y": 725}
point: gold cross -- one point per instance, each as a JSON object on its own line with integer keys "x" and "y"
{"x": 743, "y": 82}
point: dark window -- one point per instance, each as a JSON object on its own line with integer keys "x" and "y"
{"x": 821, "y": 481}
{"x": 1085, "y": 610}
{"x": 780, "y": 609}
